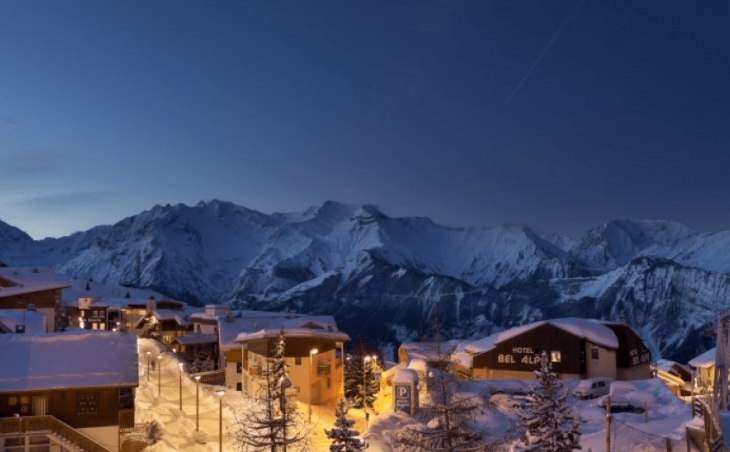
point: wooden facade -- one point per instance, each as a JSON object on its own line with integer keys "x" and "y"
{"x": 520, "y": 354}
{"x": 573, "y": 353}
{"x": 79, "y": 408}
{"x": 47, "y": 302}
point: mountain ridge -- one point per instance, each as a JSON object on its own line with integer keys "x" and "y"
{"x": 352, "y": 258}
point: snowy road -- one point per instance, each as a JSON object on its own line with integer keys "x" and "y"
{"x": 178, "y": 427}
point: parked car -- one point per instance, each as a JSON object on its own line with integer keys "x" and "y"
{"x": 507, "y": 401}
{"x": 592, "y": 388}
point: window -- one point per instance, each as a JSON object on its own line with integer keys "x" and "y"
{"x": 329, "y": 382}
{"x": 126, "y": 398}
{"x": 24, "y": 404}
{"x": 239, "y": 368}
{"x": 102, "y": 326}
{"x": 239, "y": 387}
{"x": 94, "y": 326}
{"x": 12, "y": 401}
{"x": 298, "y": 361}
{"x": 87, "y": 404}
{"x": 555, "y": 356}
{"x": 594, "y": 353}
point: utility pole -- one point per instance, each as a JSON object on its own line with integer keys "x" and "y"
{"x": 608, "y": 423}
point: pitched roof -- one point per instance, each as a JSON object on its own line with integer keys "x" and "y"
{"x": 706, "y": 359}
{"x": 196, "y": 338}
{"x": 259, "y": 324}
{"x": 589, "y": 329}
{"x": 68, "y": 360}
{"x": 30, "y": 288}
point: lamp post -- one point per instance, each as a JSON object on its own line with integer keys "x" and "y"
{"x": 365, "y": 362}
{"x": 220, "y": 393}
{"x": 284, "y": 384}
{"x": 197, "y": 403}
{"x": 159, "y": 375}
{"x": 181, "y": 372}
{"x": 148, "y": 367}
{"x": 312, "y": 352}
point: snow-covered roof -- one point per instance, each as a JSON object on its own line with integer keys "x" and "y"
{"x": 294, "y": 332}
{"x": 245, "y": 323}
{"x": 30, "y": 288}
{"x": 430, "y": 351}
{"x": 34, "y": 321}
{"x": 68, "y": 360}
{"x": 706, "y": 359}
{"x": 196, "y": 338}
{"x": 589, "y": 329}
{"x": 167, "y": 314}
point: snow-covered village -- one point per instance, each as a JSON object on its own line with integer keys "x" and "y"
{"x": 374, "y": 225}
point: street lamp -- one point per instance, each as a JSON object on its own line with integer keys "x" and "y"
{"x": 197, "y": 403}
{"x": 366, "y": 360}
{"x": 312, "y": 352}
{"x": 148, "y": 367}
{"x": 220, "y": 393}
{"x": 284, "y": 384}
{"x": 181, "y": 372}
{"x": 159, "y": 375}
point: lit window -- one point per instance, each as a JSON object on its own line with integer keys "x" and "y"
{"x": 12, "y": 401}
{"x": 555, "y": 356}
{"x": 594, "y": 353}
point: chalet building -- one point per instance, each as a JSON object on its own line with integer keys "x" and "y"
{"x": 199, "y": 350}
{"x": 578, "y": 348}
{"x": 164, "y": 321}
{"x": 44, "y": 297}
{"x": 73, "y": 386}
{"x": 703, "y": 368}
{"x": 436, "y": 355}
{"x": 95, "y": 314}
{"x": 677, "y": 377}
{"x": 29, "y": 321}
{"x": 317, "y": 377}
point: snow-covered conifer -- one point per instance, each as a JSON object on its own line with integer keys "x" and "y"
{"x": 360, "y": 381}
{"x": 548, "y": 420}
{"x": 450, "y": 427}
{"x": 273, "y": 423}
{"x": 344, "y": 438}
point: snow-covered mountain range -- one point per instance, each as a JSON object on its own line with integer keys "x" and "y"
{"x": 382, "y": 277}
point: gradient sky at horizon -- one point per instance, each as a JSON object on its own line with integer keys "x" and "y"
{"x": 556, "y": 114}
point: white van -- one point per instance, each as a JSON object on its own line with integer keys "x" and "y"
{"x": 592, "y": 388}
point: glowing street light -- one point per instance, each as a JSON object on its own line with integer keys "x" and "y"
{"x": 148, "y": 367}
{"x": 159, "y": 375}
{"x": 220, "y": 393}
{"x": 312, "y": 352}
{"x": 197, "y": 403}
{"x": 366, "y": 360}
{"x": 181, "y": 372}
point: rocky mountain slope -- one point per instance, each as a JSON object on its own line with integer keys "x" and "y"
{"x": 382, "y": 277}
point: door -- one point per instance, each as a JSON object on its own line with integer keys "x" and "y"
{"x": 40, "y": 405}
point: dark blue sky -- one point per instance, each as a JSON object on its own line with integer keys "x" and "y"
{"x": 560, "y": 115}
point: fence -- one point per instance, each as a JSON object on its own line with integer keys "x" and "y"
{"x": 625, "y": 438}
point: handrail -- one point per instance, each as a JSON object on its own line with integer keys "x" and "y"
{"x": 35, "y": 423}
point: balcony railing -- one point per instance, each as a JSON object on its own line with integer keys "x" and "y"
{"x": 51, "y": 424}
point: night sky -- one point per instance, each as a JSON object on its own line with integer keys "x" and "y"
{"x": 556, "y": 114}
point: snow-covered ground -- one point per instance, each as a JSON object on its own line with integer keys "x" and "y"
{"x": 178, "y": 427}
{"x": 665, "y": 414}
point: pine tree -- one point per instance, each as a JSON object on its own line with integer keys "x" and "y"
{"x": 360, "y": 381}
{"x": 344, "y": 438}
{"x": 273, "y": 424}
{"x": 548, "y": 421}
{"x": 451, "y": 424}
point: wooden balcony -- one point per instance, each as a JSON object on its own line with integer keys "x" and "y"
{"x": 26, "y": 425}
